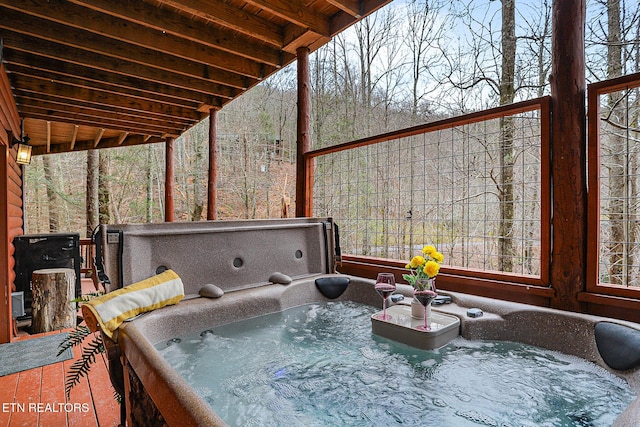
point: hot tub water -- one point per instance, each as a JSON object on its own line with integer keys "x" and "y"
{"x": 320, "y": 365}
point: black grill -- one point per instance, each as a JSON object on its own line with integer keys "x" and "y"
{"x": 39, "y": 251}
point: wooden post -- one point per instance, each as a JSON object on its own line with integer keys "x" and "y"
{"x": 213, "y": 165}
{"x": 303, "y": 132}
{"x": 169, "y": 203}
{"x": 53, "y": 290}
{"x": 568, "y": 167}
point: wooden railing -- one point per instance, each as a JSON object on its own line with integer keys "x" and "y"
{"x": 87, "y": 249}
{"x": 613, "y": 112}
{"x": 519, "y": 287}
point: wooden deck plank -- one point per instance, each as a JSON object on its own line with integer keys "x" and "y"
{"x": 81, "y": 395}
{"x": 93, "y": 397}
{"x": 27, "y": 395}
{"x": 106, "y": 407}
{"x": 53, "y": 396}
{"x": 8, "y": 386}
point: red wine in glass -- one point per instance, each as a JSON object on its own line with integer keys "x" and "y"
{"x": 385, "y": 286}
{"x": 425, "y": 297}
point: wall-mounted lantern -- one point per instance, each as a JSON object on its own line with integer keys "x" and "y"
{"x": 23, "y": 156}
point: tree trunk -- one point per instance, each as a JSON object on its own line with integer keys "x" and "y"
{"x": 169, "y": 181}
{"x": 53, "y": 290}
{"x": 196, "y": 178}
{"x": 149, "y": 180}
{"x": 52, "y": 196}
{"x": 246, "y": 197}
{"x": 103, "y": 188}
{"x": 92, "y": 191}
{"x": 303, "y": 137}
{"x": 618, "y": 173}
{"x": 507, "y": 133}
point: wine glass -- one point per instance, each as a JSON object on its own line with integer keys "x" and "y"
{"x": 425, "y": 294}
{"x": 385, "y": 286}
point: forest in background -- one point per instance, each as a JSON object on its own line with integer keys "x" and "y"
{"x": 410, "y": 63}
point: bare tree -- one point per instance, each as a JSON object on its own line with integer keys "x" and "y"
{"x": 149, "y": 185}
{"x": 507, "y": 135}
{"x": 191, "y": 171}
{"x": 103, "y": 188}
{"x": 424, "y": 33}
{"x": 613, "y": 43}
{"x": 491, "y": 67}
{"x": 618, "y": 208}
{"x": 52, "y": 196}
{"x": 373, "y": 33}
{"x": 92, "y": 199}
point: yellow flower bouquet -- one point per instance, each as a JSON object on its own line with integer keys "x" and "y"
{"x": 425, "y": 266}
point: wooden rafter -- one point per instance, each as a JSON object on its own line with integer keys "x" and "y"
{"x": 352, "y": 7}
{"x": 122, "y": 137}
{"x": 295, "y": 12}
{"x": 233, "y": 18}
{"x": 97, "y": 138}
{"x": 74, "y": 135}
{"x": 138, "y": 72}
{"x": 152, "y": 22}
{"x": 48, "y": 135}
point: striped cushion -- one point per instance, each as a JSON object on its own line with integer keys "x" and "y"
{"x": 110, "y": 310}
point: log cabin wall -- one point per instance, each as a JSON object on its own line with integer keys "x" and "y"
{"x": 11, "y": 218}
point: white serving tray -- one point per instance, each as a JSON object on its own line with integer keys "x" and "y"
{"x": 403, "y": 328}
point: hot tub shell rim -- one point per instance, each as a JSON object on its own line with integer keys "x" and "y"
{"x": 187, "y": 408}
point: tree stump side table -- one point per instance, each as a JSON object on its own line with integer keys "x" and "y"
{"x": 53, "y": 290}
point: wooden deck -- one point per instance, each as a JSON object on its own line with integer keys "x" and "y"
{"x": 37, "y": 398}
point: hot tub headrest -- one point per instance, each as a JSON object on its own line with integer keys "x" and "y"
{"x": 109, "y": 311}
{"x": 233, "y": 255}
{"x": 618, "y": 345}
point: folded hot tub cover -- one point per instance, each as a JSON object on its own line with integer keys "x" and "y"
{"x": 110, "y": 310}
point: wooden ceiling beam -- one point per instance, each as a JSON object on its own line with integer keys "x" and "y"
{"x": 123, "y": 120}
{"x": 105, "y": 143}
{"x": 79, "y": 117}
{"x": 125, "y": 40}
{"x": 54, "y": 77}
{"x": 183, "y": 78}
{"x": 148, "y": 89}
{"x": 106, "y": 100}
{"x": 342, "y": 20}
{"x": 56, "y": 103}
{"x": 222, "y": 13}
{"x": 219, "y": 68}
{"x": 295, "y": 12}
{"x": 53, "y": 105}
{"x": 151, "y": 18}
{"x": 292, "y": 37}
{"x": 40, "y": 66}
{"x": 351, "y": 7}
{"x": 142, "y": 70}
{"x": 71, "y": 119}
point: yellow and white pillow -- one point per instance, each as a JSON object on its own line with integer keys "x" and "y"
{"x": 110, "y": 310}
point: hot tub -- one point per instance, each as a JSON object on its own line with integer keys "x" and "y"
{"x": 240, "y": 257}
